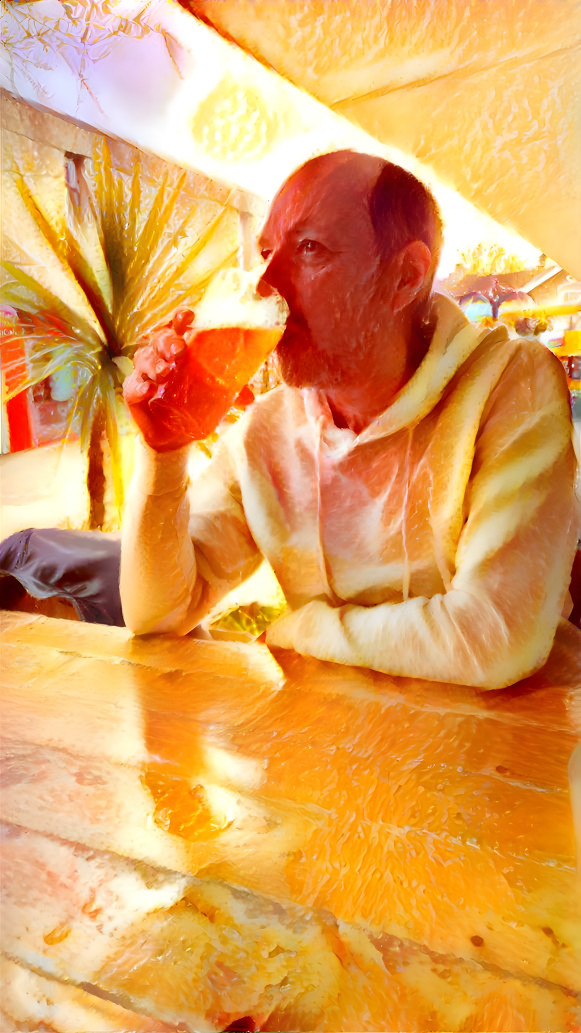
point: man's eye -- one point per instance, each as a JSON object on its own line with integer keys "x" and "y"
{"x": 266, "y": 253}
{"x": 309, "y": 247}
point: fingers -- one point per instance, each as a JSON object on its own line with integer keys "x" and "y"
{"x": 182, "y": 320}
{"x": 167, "y": 344}
{"x": 150, "y": 370}
{"x": 159, "y": 360}
{"x": 137, "y": 390}
{"x": 155, "y": 361}
{"x": 150, "y": 363}
{"x": 166, "y": 340}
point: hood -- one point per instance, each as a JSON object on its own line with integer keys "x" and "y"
{"x": 454, "y": 339}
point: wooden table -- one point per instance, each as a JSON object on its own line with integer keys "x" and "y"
{"x": 199, "y": 833}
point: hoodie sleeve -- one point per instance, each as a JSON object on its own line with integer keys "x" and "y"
{"x": 177, "y": 559}
{"x": 497, "y": 621}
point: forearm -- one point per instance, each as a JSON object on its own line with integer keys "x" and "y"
{"x": 158, "y": 567}
{"x": 453, "y": 637}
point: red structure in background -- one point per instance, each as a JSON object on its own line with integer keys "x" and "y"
{"x": 17, "y": 408}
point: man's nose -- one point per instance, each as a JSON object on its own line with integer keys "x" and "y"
{"x": 273, "y": 278}
{"x": 264, "y": 288}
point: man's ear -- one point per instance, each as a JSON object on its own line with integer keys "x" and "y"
{"x": 412, "y": 268}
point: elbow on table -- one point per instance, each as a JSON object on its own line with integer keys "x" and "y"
{"x": 140, "y": 624}
{"x": 150, "y": 613}
{"x": 517, "y": 659}
{"x": 495, "y": 642}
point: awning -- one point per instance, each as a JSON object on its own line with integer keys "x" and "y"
{"x": 483, "y": 95}
{"x": 485, "y": 92}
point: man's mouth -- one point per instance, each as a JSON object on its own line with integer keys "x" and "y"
{"x": 295, "y": 325}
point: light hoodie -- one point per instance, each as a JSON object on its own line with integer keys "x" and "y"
{"x": 436, "y": 544}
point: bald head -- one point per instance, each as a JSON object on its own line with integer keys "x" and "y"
{"x": 336, "y": 167}
{"x": 401, "y": 209}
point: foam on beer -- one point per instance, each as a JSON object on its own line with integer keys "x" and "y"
{"x": 231, "y": 300}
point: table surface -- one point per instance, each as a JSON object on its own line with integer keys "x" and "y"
{"x": 199, "y": 832}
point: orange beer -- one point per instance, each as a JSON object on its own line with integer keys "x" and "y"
{"x": 234, "y": 332}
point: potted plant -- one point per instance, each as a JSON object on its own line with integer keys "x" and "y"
{"x": 124, "y": 258}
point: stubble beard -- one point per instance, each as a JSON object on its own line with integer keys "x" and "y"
{"x": 302, "y": 364}
{"x": 297, "y": 361}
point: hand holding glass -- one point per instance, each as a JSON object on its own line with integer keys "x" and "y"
{"x": 188, "y": 374}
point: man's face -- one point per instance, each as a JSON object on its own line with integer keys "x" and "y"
{"x": 323, "y": 259}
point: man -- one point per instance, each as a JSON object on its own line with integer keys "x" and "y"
{"x": 412, "y": 481}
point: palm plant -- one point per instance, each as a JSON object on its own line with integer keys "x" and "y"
{"x": 123, "y": 259}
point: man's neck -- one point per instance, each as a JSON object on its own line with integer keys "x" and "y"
{"x": 356, "y": 413}
{"x": 363, "y": 398}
